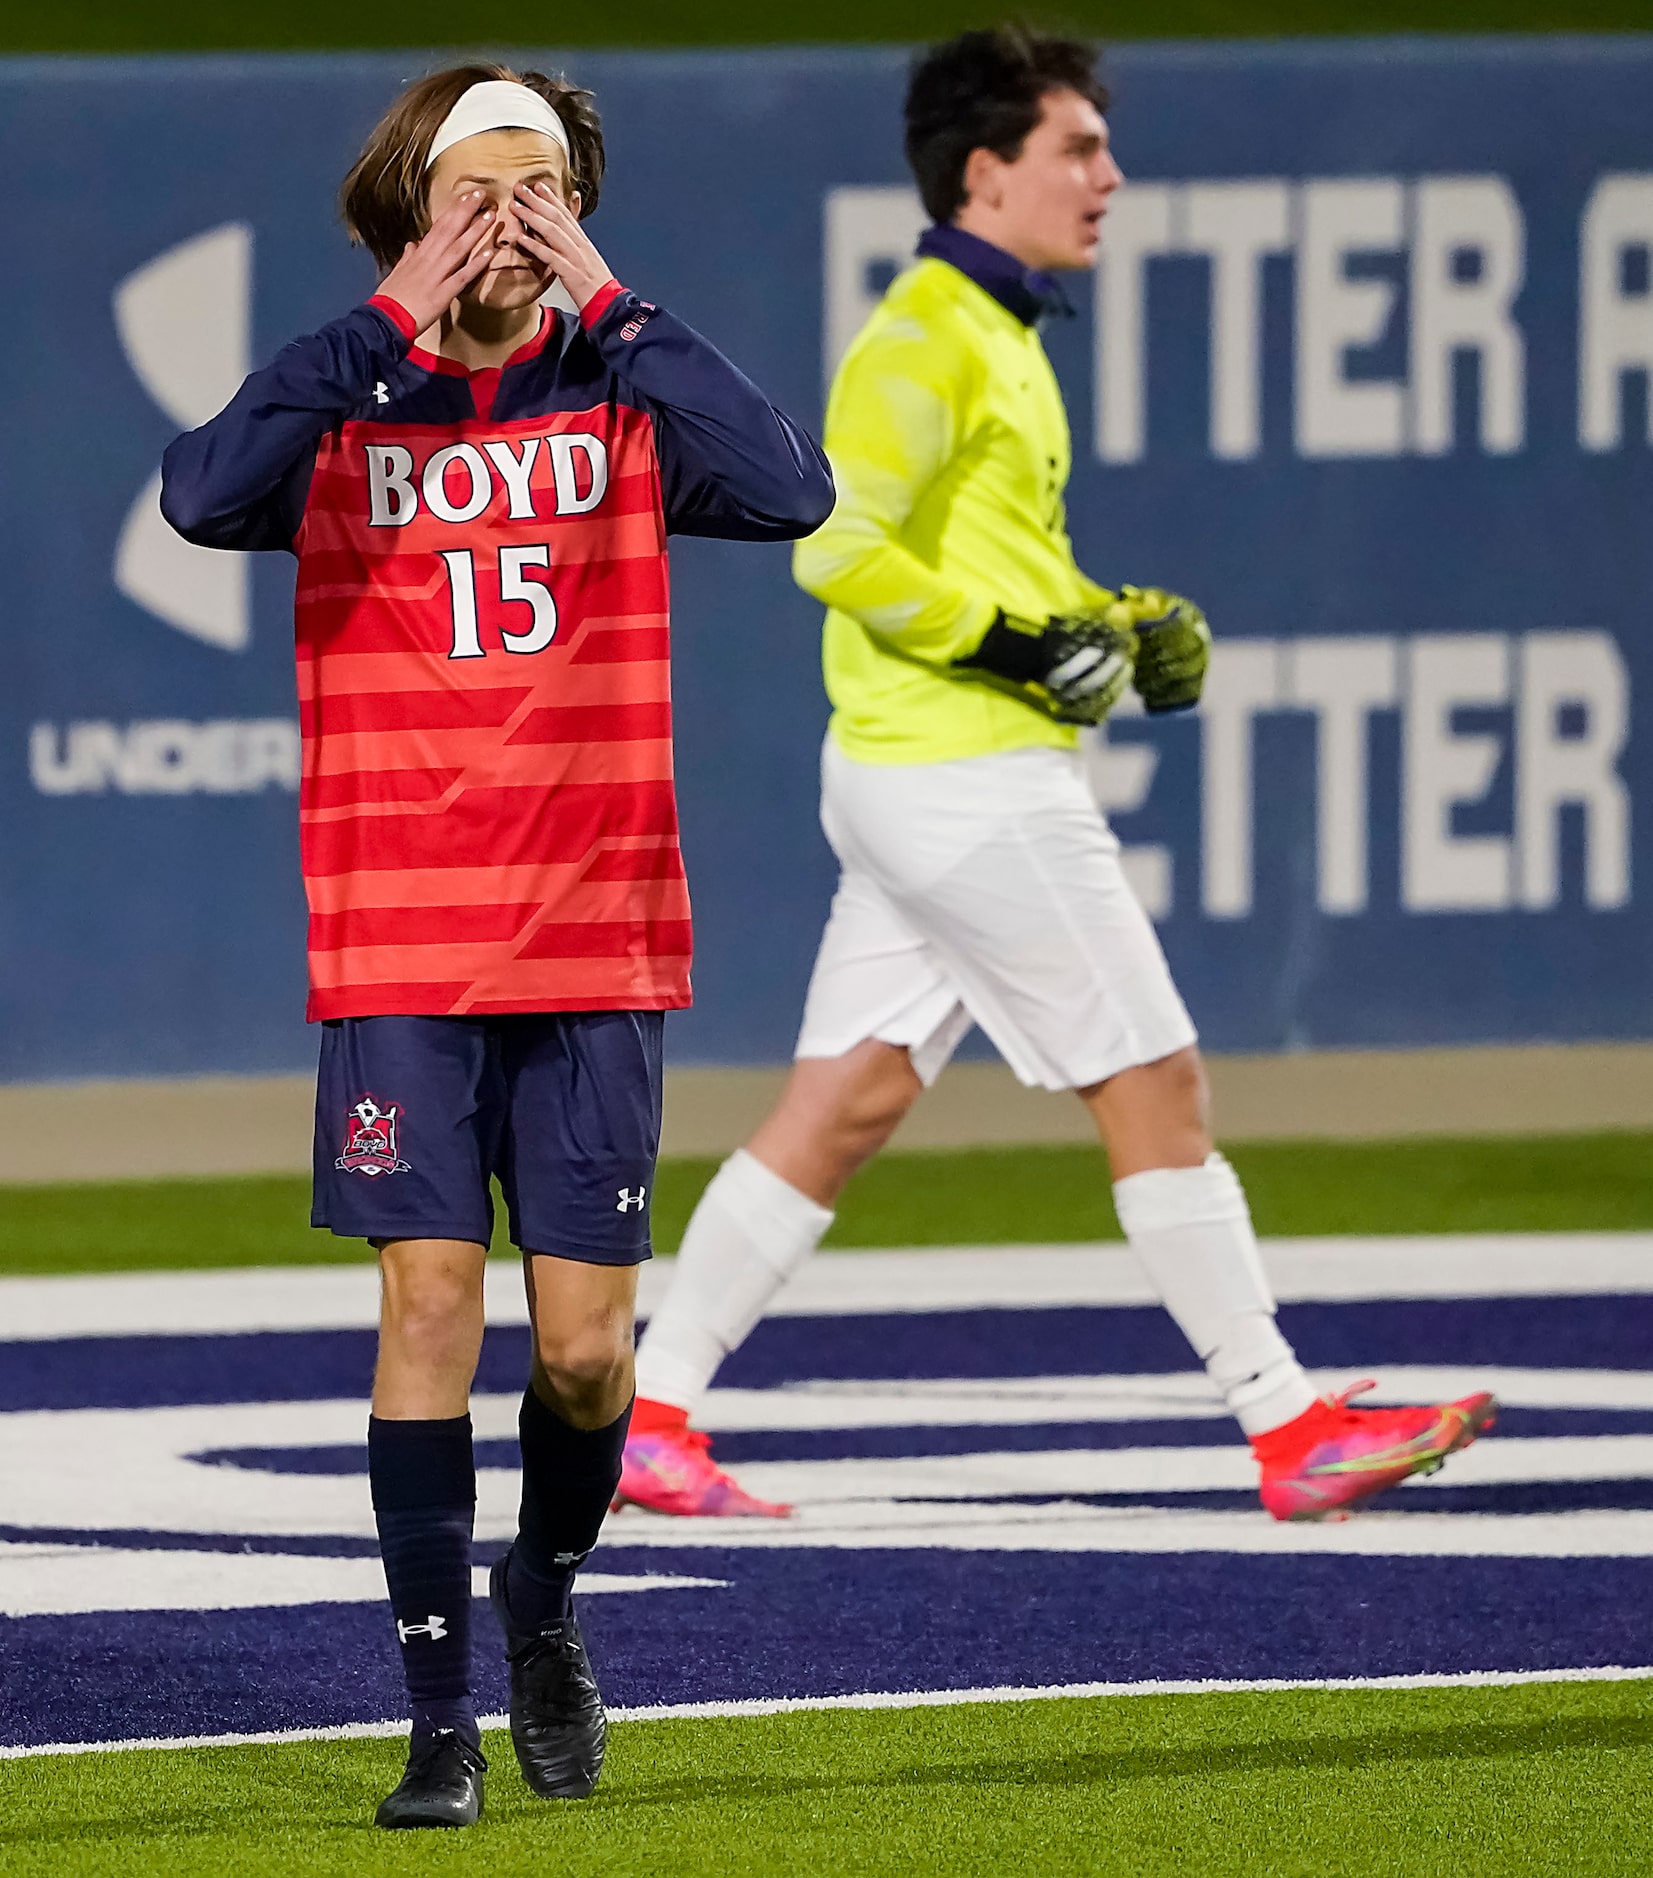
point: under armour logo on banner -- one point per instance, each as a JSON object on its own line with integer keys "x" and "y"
{"x": 630, "y": 1202}
{"x": 435, "y": 1628}
{"x": 185, "y": 325}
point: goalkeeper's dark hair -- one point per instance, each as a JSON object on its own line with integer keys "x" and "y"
{"x": 984, "y": 91}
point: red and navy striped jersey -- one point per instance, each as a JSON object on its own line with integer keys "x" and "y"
{"x": 488, "y": 818}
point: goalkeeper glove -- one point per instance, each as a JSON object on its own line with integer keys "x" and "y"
{"x": 1074, "y": 670}
{"x": 1174, "y": 647}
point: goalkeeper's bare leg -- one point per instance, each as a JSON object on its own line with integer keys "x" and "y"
{"x": 1183, "y": 1211}
{"x": 763, "y": 1214}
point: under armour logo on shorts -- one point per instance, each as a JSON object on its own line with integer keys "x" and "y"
{"x": 630, "y": 1202}
{"x": 435, "y": 1628}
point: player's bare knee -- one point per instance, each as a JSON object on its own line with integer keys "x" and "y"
{"x": 870, "y": 1110}
{"x": 582, "y": 1366}
{"x": 588, "y": 1398}
{"x": 430, "y": 1311}
{"x": 865, "y": 1127}
{"x": 1183, "y": 1087}
{"x": 1154, "y": 1114}
{"x": 585, "y": 1369}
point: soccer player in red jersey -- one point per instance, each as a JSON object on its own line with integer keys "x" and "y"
{"x": 478, "y": 492}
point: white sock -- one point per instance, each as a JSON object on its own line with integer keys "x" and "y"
{"x": 747, "y": 1236}
{"x": 1191, "y": 1228}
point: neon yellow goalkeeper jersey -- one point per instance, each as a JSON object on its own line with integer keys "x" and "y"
{"x": 950, "y": 449}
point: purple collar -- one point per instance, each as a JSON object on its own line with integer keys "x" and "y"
{"x": 1020, "y": 290}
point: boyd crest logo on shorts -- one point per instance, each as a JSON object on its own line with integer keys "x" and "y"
{"x": 370, "y": 1140}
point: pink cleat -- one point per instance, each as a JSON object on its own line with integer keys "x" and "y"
{"x": 671, "y": 1470}
{"x": 1333, "y": 1458}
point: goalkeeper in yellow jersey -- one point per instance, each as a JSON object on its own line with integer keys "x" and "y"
{"x": 980, "y": 882}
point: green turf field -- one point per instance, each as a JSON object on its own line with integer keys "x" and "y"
{"x": 1521, "y": 1782}
{"x": 985, "y": 1197}
{"x": 196, "y": 25}
{"x": 1554, "y": 1779}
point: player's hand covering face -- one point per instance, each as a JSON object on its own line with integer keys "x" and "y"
{"x": 506, "y": 166}
{"x": 551, "y": 232}
{"x": 434, "y": 271}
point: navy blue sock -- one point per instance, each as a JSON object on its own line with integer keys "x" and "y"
{"x": 568, "y": 1479}
{"x": 423, "y": 1476}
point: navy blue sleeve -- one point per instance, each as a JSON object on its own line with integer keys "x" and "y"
{"x": 241, "y": 480}
{"x": 733, "y": 465}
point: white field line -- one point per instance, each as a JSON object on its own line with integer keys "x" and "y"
{"x": 1066, "y": 1526}
{"x": 891, "y": 1699}
{"x": 839, "y": 1284}
{"x": 49, "y": 1580}
{"x": 1058, "y": 1472}
{"x": 1018, "y": 1401}
{"x": 132, "y": 1470}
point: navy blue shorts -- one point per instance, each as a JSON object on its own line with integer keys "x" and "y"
{"x": 414, "y": 1114}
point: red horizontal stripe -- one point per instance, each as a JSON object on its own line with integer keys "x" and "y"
{"x": 624, "y": 646}
{"x": 491, "y": 827}
{"x": 408, "y": 573}
{"x": 443, "y": 708}
{"x": 612, "y": 939}
{"x": 630, "y": 449}
{"x": 603, "y": 419}
{"x": 595, "y": 723}
{"x": 667, "y": 992}
{"x": 636, "y": 864}
{"x": 664, "y": 990}
{"x": 378, "y": 786}
{"x": 417, "y": 926}
{"x": 405, "y": 1000}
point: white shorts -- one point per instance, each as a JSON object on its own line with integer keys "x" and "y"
{"x": 987, "y": 891}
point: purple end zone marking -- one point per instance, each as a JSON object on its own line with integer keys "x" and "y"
{"x": 824, "y": 1623}
{"x": 1593, "y": 1333}
{"x": 814, "y": 1623}
{"x": 831, "y": 1444}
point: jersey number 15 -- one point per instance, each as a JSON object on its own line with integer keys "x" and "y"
{"x": 514, "y": 585}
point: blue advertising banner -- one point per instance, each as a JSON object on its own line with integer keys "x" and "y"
{"x": 1368, "y": 370}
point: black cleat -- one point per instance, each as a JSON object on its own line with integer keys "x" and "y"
{"x": 442, "y": 1785}
{"x": 558, "y": 1727}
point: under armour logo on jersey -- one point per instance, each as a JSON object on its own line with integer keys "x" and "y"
{"x": 630, "y": 1202}
{"x": 435, "y": 1628}
{"x": 381, "y": 394}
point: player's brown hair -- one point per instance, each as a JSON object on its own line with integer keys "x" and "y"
{"x": 384, "y": 199}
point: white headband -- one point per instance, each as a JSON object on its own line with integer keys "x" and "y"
{"x": 497, "y": 104}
